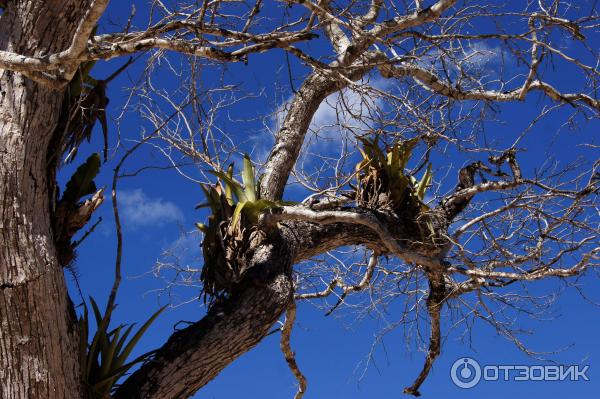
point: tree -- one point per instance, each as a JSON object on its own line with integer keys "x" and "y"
{"x": 498, "y": 226}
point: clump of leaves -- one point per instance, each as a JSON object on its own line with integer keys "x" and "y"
{"x": 82, "y": 181}
{"x": 245, "y": 196}
{"x": 382, "y": 178}
{"x": 231, "y": 228}
{"x": 72, "y": 212}
{"x": 84, "y": 105}
{"x": 105, "y": 359}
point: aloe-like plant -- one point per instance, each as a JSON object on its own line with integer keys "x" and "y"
{"x": 384, "y": 172}
{"x": 105, "y": 359}
{"x": 235, "y": 208}
{"x": 245, "y": 196}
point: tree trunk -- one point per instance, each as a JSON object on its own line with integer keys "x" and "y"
{"x": 38, "y": 339}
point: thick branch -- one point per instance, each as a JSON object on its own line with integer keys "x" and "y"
{"x": 389, "y": 242}
{"x": 57, "y": 69}
{"x": 195, "y": 355}
{"x": 370, "y": 15}
{"x": 66, "y": 58}
{"x": 417, "y": 18}
{"x": 434, "y": 83}
{"x": 291, "y": 135}
{"x": 199, "y": 49}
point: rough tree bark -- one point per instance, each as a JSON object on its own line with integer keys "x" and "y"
{"x": 38, "y": 340}
{"x": 195, "y": 355}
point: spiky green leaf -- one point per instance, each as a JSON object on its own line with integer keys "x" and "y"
{"x": 249, "y": 179}
{"x": 407, "y": 148}
{"x": 237, "y": 213}
{"x": 110, "y": 355}
{"x": 228, "y": 191}
{"x": 235, "y": 186}
{"x": 424, "y": 183}
{"x": 138, "y": 335}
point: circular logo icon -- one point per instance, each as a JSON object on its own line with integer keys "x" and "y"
{"x": 465, "y": 372}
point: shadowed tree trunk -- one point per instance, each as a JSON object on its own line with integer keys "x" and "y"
{"x": 38, "y": 340}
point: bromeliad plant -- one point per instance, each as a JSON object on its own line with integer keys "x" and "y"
{"x": 382, "y": 178}
{"x": 244, "y": 197}
{"x": 231, "y": 228}
{"x": 105, "y": 359}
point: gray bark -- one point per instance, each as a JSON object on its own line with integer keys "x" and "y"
{"x": 38, "y": 341}
{"x": 195, "y": 355}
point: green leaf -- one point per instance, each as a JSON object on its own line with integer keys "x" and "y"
{"x": 103, "y": 364}
{"x": 81, "y": 77}
{"x": 82, "y": 181}
{"x": 202, "y": 227}
{"x": 393, "y": 159}
{"x": 235, "y": 186}
{"x": 206, "y": 189}
{"x": 228, "y": 191}
{"x": 117, "y": 372}
{"x": 407, "y": 148}
{"x": 120, "y": 344}
{"x": 377, "y": 152}
{"x": 110, "y": 354}
{"x": 96, "y": 311}
{"x": 237, "y": 213}
{"x": 104, "y": 385}
{"x": 127, "y": 351}
{"x": 363, "y": 153}
{"x": 98, "y": 343}
{"x": 249, "y": 179}
{"x": 424, "y": 183}
{"x": 215, "y": 198}
{"x": 253, "y": 209}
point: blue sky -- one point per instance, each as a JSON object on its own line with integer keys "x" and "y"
{"x": 158, "y": 212}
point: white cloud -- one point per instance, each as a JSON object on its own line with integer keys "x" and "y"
{"x": 349, "y": 108}
{"x": 340, "y": 116}
{"x": 346, "y": 109}
{"x": 188, "y": 242}
{"x": 480, "y": 54}
{"x": 140, "y": 210}
{"x": 185, "y": 250}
